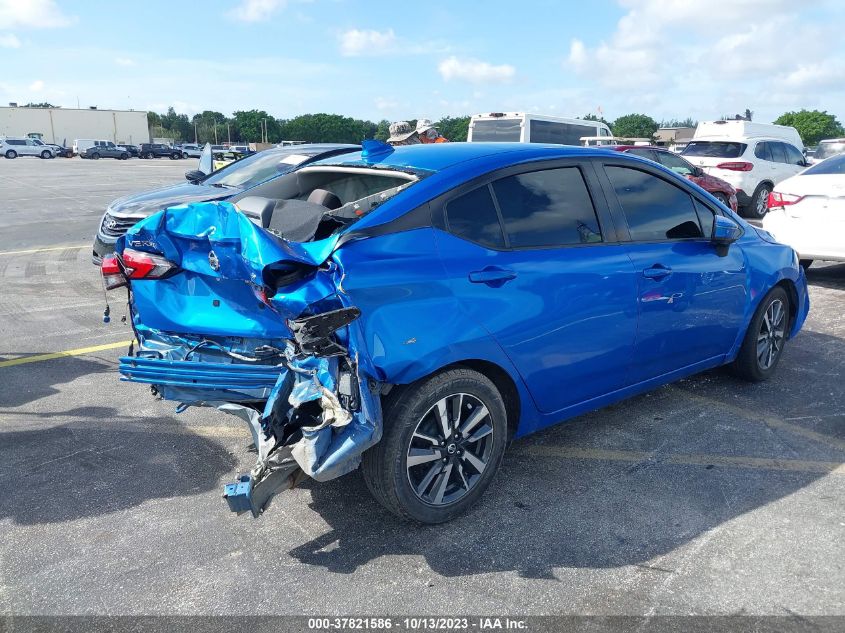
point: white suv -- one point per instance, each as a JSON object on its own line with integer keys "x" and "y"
{"x": 12, "y": 147}
{"x": 751, "y": 157}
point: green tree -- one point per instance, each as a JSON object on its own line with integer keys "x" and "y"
{"x": 688, "y": 122}
{"x": 634, "y": 126}
{"x": 383, "y": 130}
{"x": 812, "y": 125}
{"x": 40, "y": 105}
{"x": 454, "y": 128}
{"x": 250, "y": 126}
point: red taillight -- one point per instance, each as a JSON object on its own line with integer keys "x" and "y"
{"x": 736, "y": 166}
{"x": 783, "y": 199}
{"x": 112, "y": 272}
{"x": 140, "y": 265}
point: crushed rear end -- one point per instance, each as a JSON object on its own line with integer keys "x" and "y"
{"x": 228, "y": 315}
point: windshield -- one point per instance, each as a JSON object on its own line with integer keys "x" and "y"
{"x": 714, "y": 149}
{"x": 498, "y": 130}
{"x": 826, "y": 150}
{"x": 257, "y": 168}
{"x": 831, "y": 166}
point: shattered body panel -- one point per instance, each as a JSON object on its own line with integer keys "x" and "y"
{"x": 211, "y": 336}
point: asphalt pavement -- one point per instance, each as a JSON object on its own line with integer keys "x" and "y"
{"x": 710, "y": 496}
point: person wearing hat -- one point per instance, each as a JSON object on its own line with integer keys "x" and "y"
{"x": 427, "y": 133}
{"x": 401, "y": 133}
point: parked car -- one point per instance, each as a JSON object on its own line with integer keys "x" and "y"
{"x": 219, "y": 185}
{"x": 159, "y": 150}
{"x": 82, "y": 145}
{"x": 412, "y": 309}
{"x": 807, "y": 212}
{"x": 827, "y": 148}
{"x": 134, "y": 150}
{"x": 191, "y": 150}
{"x": 105, "y": 149}
{"x": 752, "y": 157}
{"x": 12, "y": 147}
{"x": 720, "y": 189}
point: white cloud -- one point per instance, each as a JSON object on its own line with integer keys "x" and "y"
{"x": 256, "y": 10}
{"x": 356, "y": 42}
{"x": 36, "y": 86}
{"x": 124, "y": 61}
{"x": 386, "y": 104}
{"x": 9, "y": 41}
{"x": 32, "y": 14}
{"x": 677, "y": 59}
{"x": 474, "y": 71}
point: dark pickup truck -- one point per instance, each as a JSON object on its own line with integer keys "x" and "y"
{"x": 159, "y": 150}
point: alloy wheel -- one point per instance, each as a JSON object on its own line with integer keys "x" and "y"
{"x": 771, "y": 334}
{"x": 449, "y": 449}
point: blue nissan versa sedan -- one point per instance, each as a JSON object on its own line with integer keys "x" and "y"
{"x": 410, "y": 310}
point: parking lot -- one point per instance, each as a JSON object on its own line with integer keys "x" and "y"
{"x": 710, "y": 496}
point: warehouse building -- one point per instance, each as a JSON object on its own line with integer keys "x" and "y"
{"x": 62, "y": 125}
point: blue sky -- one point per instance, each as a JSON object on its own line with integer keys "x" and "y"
{"x": 374, "y": 59}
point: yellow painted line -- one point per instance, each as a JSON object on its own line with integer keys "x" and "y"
{"x": 71, "y": 352}
{"x": 45, "y": 250}
{"x": 769, "y": 420}
{"x": 633, "y": 457}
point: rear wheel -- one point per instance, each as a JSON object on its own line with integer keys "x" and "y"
{"x": 760, "y": 201}
{"x": 11, "y": 154}
{"x": 124, "y": 156}
{"x": 763, "y": 344}
{"x": 722, "y": 198}
{"x": 94, "y": 156}
{"x": 175, "y": 156}
{"x": 444, "y": 438}
{"x": 46, "y": 154}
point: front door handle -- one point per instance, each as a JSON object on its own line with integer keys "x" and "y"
{"x": 493, "y": 276}
{"x": 658, "y": 271}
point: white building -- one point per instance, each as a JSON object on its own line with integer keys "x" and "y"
{"x": 62, "y": 125}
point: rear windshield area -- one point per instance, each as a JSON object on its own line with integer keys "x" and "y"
{"x": 826, "y": 150}
{"x": 496, "y": 131}
{"x": 715, "y": 149}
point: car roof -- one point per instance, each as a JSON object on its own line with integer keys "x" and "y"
{"x": 625, "y": 148}
{"x": 439, "y": 156}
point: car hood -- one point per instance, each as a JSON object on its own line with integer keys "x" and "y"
{"x": 143, "y": 204}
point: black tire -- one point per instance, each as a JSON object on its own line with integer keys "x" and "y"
{"x": 94, "y": 156}
{"x": 11, "y": 154}
{"x": 759, "y": 205}
{"x": 46, "y": 154}
{"x": 805, "y": 263}
{"x": 722, "y": 198}
{"x": 175, "y": 156}
{"x": 146, "y": 156}
{"x": 124, "y": 156}
{"x": 385, "y": 465}
{"x": 748, "y": 364}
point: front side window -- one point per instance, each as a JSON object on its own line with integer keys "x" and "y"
{"x": 793, "y": 156}
{"x": 654, "y": 209}
{"x": 547, "y": 208}
{"x": 675, "y": 163}
{"x": 473, "y": 217}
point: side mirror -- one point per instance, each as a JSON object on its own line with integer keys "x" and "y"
{"x": 725, "y": 231}
{"x": 194, "y": 176}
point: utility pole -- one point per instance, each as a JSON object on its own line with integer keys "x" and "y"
{"x": 196, "y": 138}
{"x": 264, "y": 139}
{"x": 215, "y": 134}
{"x": 229, "y": 132}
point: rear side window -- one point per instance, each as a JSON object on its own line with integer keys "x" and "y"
{"x": 547, "y": 208}
{"x": 763, "y": 151}
{"x": 473, "y": 217}
{"x": 654, "y": 209}
{"x": 675, "y": 163}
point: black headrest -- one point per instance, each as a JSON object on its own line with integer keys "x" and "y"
{"x": 325, "y": 198}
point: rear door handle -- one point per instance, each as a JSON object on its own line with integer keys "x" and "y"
{"x": 658, "y": 271}
{"x": 492, "y": 276}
